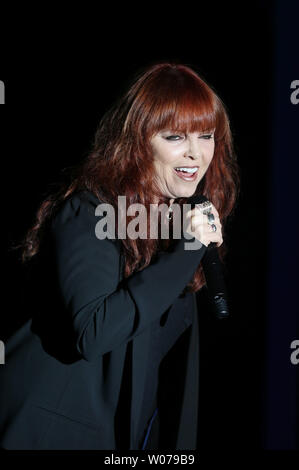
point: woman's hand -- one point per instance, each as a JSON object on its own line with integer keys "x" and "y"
{"x": 198, "y": 226}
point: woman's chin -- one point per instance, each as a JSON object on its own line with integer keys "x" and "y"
{"x": 186, "y": 193}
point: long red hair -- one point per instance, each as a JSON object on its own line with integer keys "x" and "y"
{"x": 164, "y": 95}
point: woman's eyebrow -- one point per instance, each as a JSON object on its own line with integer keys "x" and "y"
{"x": 209, "y": 130}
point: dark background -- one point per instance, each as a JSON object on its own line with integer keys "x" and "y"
{"x": 63, "y": 72}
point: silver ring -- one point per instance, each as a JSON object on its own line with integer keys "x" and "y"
{"x": 211, "y": 217}
{"x": 206, "y": 208}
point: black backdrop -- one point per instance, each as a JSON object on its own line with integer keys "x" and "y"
{"x": 63, "y": 71}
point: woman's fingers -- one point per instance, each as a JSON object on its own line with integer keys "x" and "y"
{"x": 201, "y": 227}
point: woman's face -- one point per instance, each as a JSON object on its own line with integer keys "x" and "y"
{"x": 174, "y": 152}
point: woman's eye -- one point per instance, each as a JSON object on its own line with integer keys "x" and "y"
{"x": 176, "y": 137}
{"x": 173, "y": 137}
{"x": 207, "y": 136}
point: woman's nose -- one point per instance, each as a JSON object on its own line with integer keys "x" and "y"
{"x": 193, "y": 149}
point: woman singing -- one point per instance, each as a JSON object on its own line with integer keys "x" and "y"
{"x": 109, "y": 358}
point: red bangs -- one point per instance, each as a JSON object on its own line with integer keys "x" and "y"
{"x": 177, "y": 100}
{"x": 183, "y": 117}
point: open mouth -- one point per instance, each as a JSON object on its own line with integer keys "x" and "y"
{"x": 187, "y": 173}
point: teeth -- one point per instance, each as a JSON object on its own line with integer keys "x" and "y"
{"x": 189, "y": 170}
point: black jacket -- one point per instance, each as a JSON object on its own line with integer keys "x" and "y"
{"x": 61, "y": 381}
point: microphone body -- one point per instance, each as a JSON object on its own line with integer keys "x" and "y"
{"x": 212, "y": 267}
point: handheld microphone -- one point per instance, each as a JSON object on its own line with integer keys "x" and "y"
{"x": 212, "y": 267}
